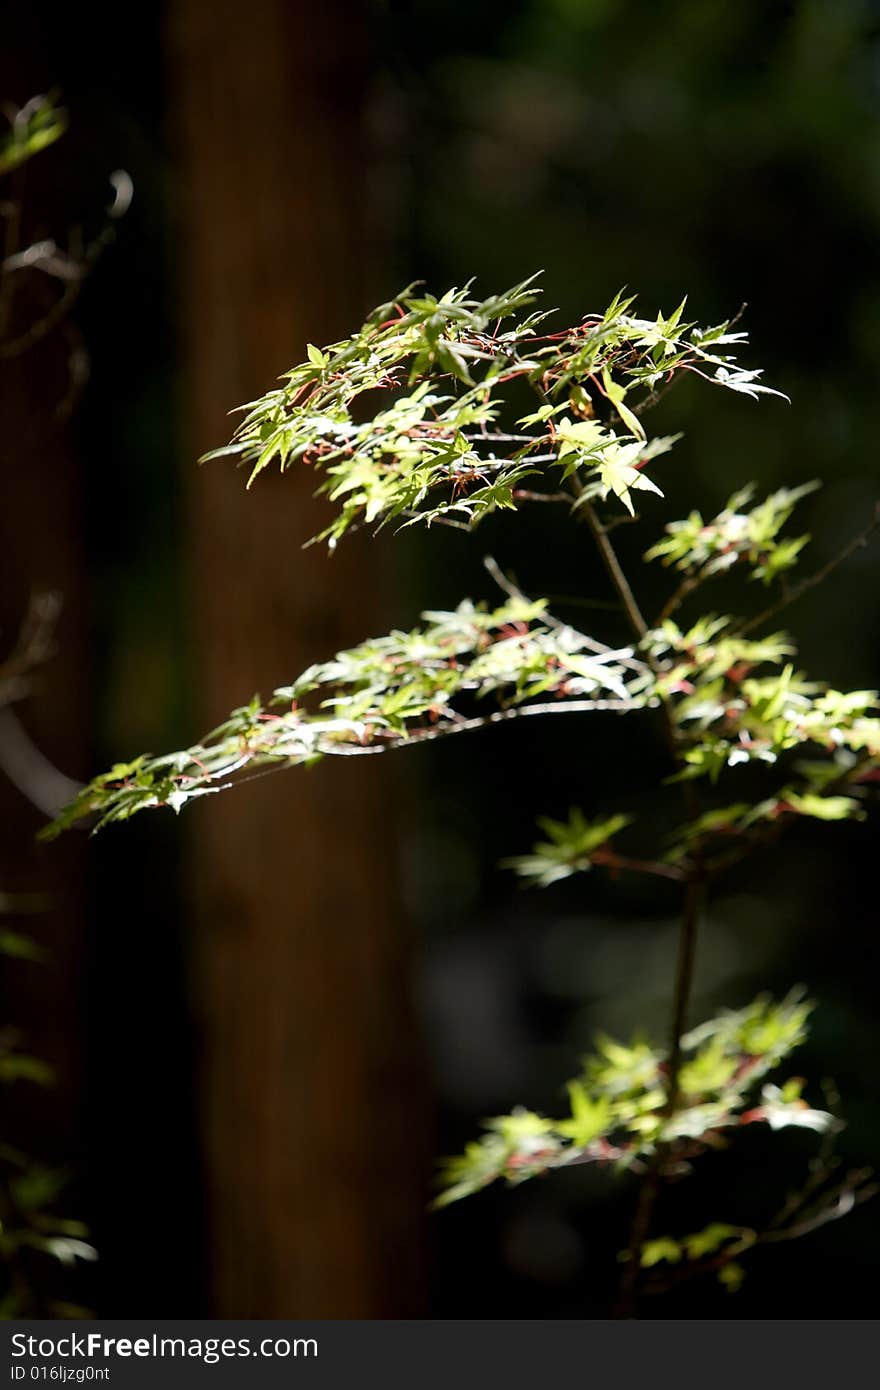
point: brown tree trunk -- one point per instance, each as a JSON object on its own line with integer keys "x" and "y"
{"x": 312, "y": 1155}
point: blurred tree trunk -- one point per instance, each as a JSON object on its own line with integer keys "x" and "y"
{"x": 313, "y": 1158}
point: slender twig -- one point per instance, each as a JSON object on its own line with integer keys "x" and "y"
{"x": 649, "y": 1189}
{"x": 798, "y": 590}
{"x": 417, "y": 516}
{"x": 33, "y": 645}
{"x": 428, "y": 734}
{"x": 765, "y": 836}
{"x": 695, "y": 885}
{"x": 606, "y": 605}
{"x": 509, "y": 586}
{"x": 613, "y": 861}
{"x": 484, "y": 721}
{"x": 498, "y": 437}
{"x": 656, "y": 396}
{"x": 684, "y": 978}
{"x": 633, "y": 612}
{"x": 854, "y": 1189}
{"x": 678, "y": 596}
{"x": 627, "y": 1295}
{"x": 28, "y": 768}
{"x": 70, "y": 267}
{"x": 10, "y": 245}
{"x": 523, "y": 495}
{"x": 688, "y": 930}
{"x": 623, "y": 519}
{"x": 42, "y": 326}
{"x": 20, "y": 759}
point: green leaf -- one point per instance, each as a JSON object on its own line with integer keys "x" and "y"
{"x": 569, "y": 848}
{"x": 18, "y": 946}
{"x": 590, "y": 1116}
{"x": 663, "y": 1248}
{"x": 823, "y": 807}
{"x": 618, "y": 473}
{"x": 617, "y": 395}
{"x": 712, "y": 1238}
{"x": 17, "y": 1066}
{"x": 710, "y": 1069}
{"x": 519, "y": 1126}
{"x": 731, "y": 1276}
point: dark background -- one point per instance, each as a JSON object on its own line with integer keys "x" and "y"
{"x": 268, "y": 1020}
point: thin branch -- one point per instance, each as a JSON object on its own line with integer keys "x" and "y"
{"x": 798, "y": 590}
{"x": 418, "y": 516}
{"x": 634, "y": 614}
{"x": 41, "y": 327}
{"x": 767, "y": 834}
{"x": 70, "y": 268}
{"x": 678, "y": 596}
{"x": 688, "y": 931}
{"x": 484, "y": 721}
{"x": 23, "y": 763}
{"x": 606, "y": 605}
{"x": 32, "y": 647}
{"x": 656, "y": 396}
{"x": 46, "y": 256}
{"x": 508, "y": 585}
{"x": 842, "y": 1199}
{"x": 277, "y": 762}
{"x": 650, "y": 1186}
{"x": 497, "y": 437}
{"x": 28, "y": 768}
{"x": 854, "y": 1189}
{"x": 622, "y": 519}
{"x": 613, "y": 861}
{"x": 692, "y": 908}
{"x": 627, "y": 1296}
{"x": 523, "y": 495}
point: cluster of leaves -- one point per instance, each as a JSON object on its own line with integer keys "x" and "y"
{"x": 701, "y": 548}
{"x": 737, "y": 700}
{"x": 572, "y": 846}
{"x": 30, "y": 1228}
{"x": 826, "y": 1194}
{"x": 40, "y": 280}
{"x": 718, "y": 1243}
{"x": 437, "y": 449}
{"x": 734, "y": 700}
{"x": 384, "y": 693}
{"x": 401, "y": 687}
{"x": 618, "y": 1111}
{"x": 695, "y": 1246}
{"x": 416, "y": 417}
{"x": 33, "y": 128}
